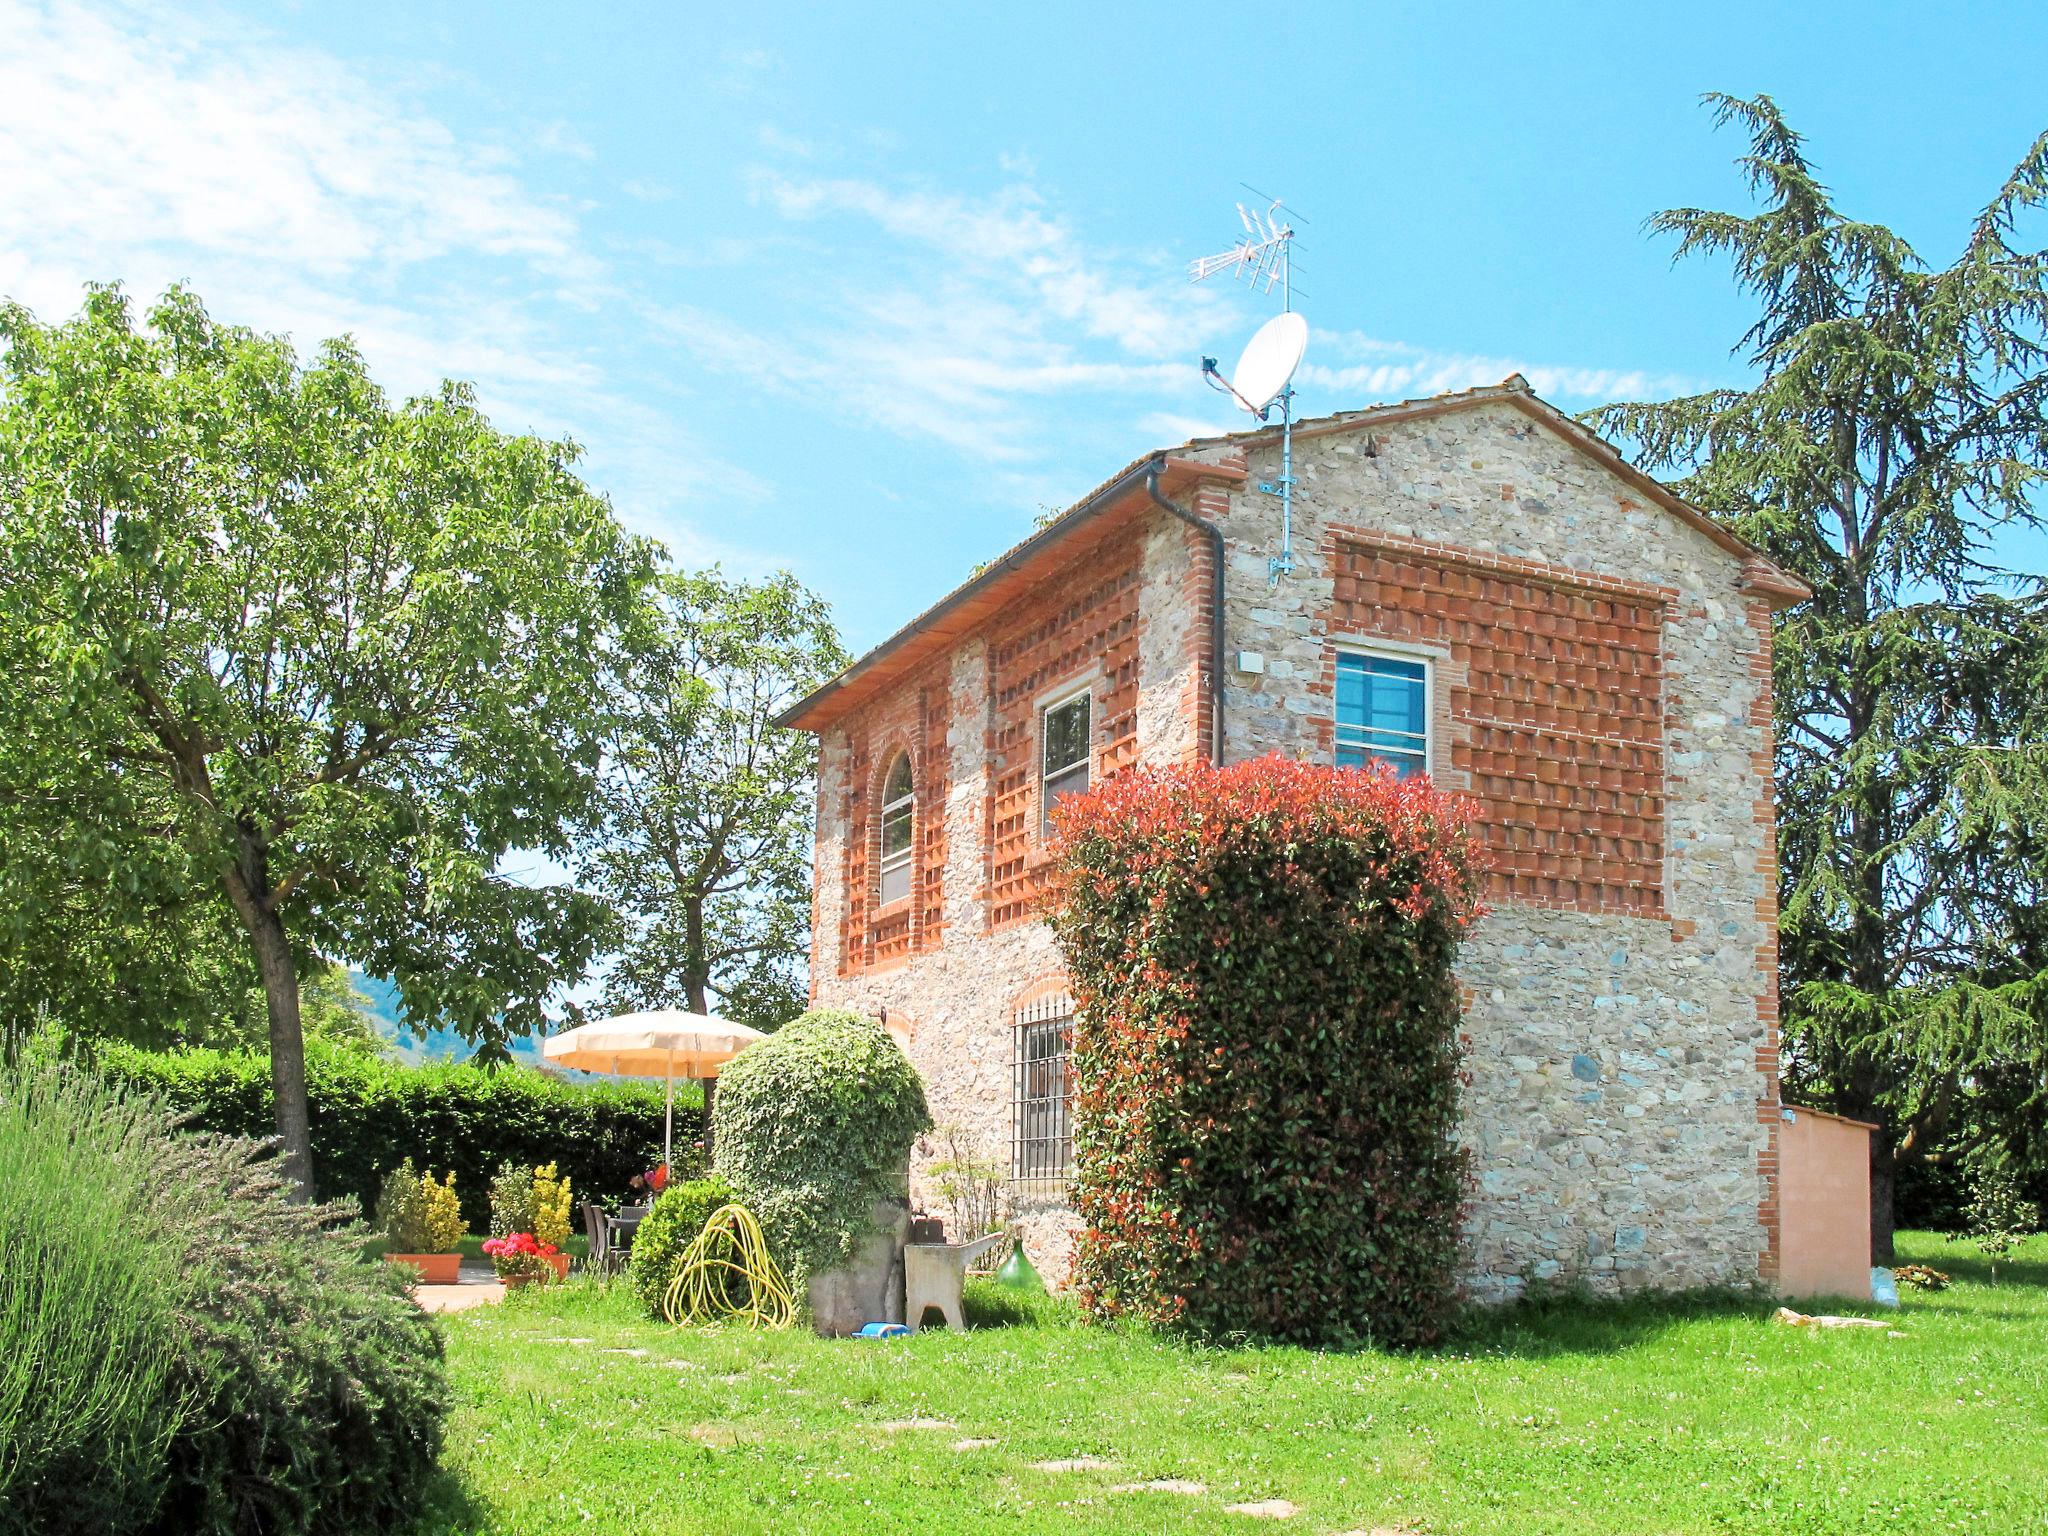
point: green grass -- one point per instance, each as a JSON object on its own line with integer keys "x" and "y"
{"x": 1686, "y": 1415}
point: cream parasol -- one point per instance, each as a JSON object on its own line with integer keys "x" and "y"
{"x": 663, "y": 1042}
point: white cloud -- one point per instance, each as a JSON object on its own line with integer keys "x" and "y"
{"x": 983, "y": 323}
{"x": 992, "y": 325}
{"x": 297, "y": 196}
{"x": 1369, "y": 370}
{"x": 1167, "y": 428}
{"x": 123, "y": 124}
{"x": 1012, "y": 241}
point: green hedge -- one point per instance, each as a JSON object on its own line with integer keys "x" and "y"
{"x": 1266, "y": 1051}
{"x": 368, "y": 1114}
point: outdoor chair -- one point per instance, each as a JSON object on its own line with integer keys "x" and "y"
{"x": 595, "y": 1225}
{"x": 618, "y": 1233}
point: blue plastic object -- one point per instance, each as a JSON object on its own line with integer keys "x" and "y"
{"x": 883, "y": 1331}
{"x": 1884, "y": 1290}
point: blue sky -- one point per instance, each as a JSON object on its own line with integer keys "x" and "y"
{"x": 859, "y": 292}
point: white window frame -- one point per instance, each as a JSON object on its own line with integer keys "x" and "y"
{"x": 1086, "y": 764}
{"x": 891, "y": 864}
{"x": 1424, "y": 659}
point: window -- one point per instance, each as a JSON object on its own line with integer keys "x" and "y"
{"x": 1042, "y": 1136}
{"x": 1064, "y": 759}
{"x": 898, "y": 813}
{"x": 1382, "y": 712}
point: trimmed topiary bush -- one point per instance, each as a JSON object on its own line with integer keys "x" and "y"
{"x": 1266, "y": 1048}
{"x": 679, "y": 1214}
{"x": 812, "y": 1127}
{"x": 244, "y": 1369}
{"x": 369, "y": 1113}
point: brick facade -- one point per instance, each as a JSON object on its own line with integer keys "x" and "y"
{"x": 1079, "y": 632}
{"x": 1599, "y": 682}
{"x": 1553, "y": 708}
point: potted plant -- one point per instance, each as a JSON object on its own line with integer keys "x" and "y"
{"x": 520, "y": 1257}
{"x": 552, "y": 1203}
{"x": 532, "y": 1204}
{"x": 422, "y": 1221}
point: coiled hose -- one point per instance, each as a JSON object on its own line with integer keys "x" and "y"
{"x": 728, "y": 1274}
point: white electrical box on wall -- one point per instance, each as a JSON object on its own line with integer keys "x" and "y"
{"x": 1251, "y": 661}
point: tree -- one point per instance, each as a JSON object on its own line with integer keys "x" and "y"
{"x": 704, "y": 845}
{"x": 1898, "y": 423}
{"x": 330, "y": 658}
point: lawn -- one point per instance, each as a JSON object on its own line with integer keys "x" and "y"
{"x": 1692, "y": 1415}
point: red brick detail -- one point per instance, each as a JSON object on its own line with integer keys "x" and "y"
{"x": 1081, "y": 626}
{"x": 1050, "y": 985}
{"x": 1555, "y": 708}
{"x": 1770, "y": 1109}
{"x": 910, "y": 719}
{"x": 1211, "y": 502}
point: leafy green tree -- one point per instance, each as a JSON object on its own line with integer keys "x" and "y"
{"x": 327, "y": 659}
{"x": 1897, "y": 425}
{"x": 704, "y": 846}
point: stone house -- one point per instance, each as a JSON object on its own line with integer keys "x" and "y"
{"x": 1483, "y": 590}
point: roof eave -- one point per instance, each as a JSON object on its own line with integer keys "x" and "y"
{"x": 814, "y": 711}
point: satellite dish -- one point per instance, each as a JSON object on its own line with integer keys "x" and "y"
{"x": 1269, "y": 361}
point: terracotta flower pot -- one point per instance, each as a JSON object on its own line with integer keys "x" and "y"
{"x": 433, "y": 1268}
{"x": 558, "y": 1269}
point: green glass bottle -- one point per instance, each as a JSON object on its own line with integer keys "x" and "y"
{"x": 1016, "y": 1271}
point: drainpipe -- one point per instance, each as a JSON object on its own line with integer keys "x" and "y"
{"x": 1215, "y": 537}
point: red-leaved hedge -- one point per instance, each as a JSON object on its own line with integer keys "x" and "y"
{"x": 1266, "y": 1055}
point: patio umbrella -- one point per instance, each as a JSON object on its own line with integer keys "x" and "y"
{"x": 664, "y": 1043}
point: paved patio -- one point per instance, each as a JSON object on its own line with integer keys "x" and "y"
{"x": 479, "y": 1286}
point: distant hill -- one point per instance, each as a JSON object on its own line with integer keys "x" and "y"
{"x": 414, "y": 1045}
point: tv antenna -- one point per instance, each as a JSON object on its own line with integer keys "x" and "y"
{"x": 1264, "y": 259}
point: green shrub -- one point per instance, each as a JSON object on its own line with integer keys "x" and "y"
{"x": 679, "y": 1214}
{"x": 511, "y": 1200}
{"x": 368, "y": 1114}
{"x": 1998, "y": 1215}
{"x": 1266, "y": 1049}
{"x": 242, "y": 1368}
{"x": 316, "y": 1390}
{"x": 86, "y": 1295}
{"x": 417, "y": 1215}
{"x": 814, "y": 1125}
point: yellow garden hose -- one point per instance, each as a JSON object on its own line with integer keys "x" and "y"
{"x": 731, "y": 1247}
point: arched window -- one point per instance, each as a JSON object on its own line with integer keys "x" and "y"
{"x": 898, "y": 807}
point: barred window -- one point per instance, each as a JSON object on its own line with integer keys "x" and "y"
{"x": 1042, "y": 1135}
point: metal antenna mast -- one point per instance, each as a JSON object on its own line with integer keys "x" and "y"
{"x": 1264, "y": 259}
